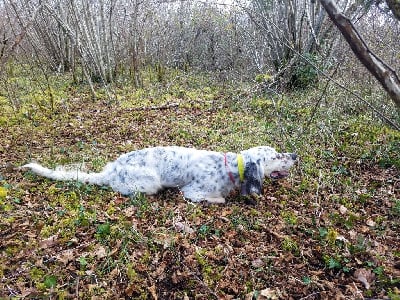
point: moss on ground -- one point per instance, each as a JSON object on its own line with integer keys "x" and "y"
{"x": 336, "y": 214}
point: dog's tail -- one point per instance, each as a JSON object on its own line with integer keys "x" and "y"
{"x": 61, "y": 174}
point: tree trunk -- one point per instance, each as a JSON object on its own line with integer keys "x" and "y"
{"x": 384, "y": 73}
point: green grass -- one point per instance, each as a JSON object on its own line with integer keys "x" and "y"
{"x": 67, "y": 239}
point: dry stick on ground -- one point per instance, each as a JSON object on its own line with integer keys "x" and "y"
{"x": 381, "y": 71}
{"x": 160, "y": 107}
{"x": 201, "y": 282}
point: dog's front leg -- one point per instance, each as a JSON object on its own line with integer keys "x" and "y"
{"x": 215, "y": 200}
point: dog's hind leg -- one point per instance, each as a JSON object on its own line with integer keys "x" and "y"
{"x": 141, "y": 181}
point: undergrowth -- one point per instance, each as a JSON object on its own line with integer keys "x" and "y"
{"x": 308, "y": 237}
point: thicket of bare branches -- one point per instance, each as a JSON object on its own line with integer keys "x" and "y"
{"x": 105, "y": 39}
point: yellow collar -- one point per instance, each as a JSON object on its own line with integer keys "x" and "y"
{"x": 240, "y": 163}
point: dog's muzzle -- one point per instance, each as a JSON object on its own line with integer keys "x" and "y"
{"x": 283, "y": 173}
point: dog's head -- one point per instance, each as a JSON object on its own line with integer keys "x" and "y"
{"x": 263, "y": 162}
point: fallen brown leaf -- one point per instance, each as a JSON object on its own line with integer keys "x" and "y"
{"x": 265, "y": 294}
{"x": 366, "y": 277}
{"x": 49, "y": 242}
{"x": 181, "y": 227}
{"x": 100, "y": 252}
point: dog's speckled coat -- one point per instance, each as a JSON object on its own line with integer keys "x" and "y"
{"x": 199, "y": 174}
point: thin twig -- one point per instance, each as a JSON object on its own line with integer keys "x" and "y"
{"x": 321, "y": 97}
{"x": 209, "y": 290}
{"x": 161, "y": 107}
{"x": 310, "y": 295}
{"x": 287, "y": 43}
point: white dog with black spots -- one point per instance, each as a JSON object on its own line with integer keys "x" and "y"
{"x": 200, "y": 175}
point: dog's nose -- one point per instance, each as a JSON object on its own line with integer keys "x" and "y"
{"x": 294, "y": 156}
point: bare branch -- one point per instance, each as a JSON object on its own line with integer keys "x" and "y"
{"x": 381, "y": 71}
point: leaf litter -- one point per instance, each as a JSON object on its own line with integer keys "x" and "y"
{"x": 312, "y": 237}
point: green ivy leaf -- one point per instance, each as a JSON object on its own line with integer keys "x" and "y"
{"x": 103, "y": 229}
{"x": 50, "y": 281}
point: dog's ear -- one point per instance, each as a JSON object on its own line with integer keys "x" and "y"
{"x": 252, "y": 179}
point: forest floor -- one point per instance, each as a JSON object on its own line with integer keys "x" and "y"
{"x": 329, "y": 231}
